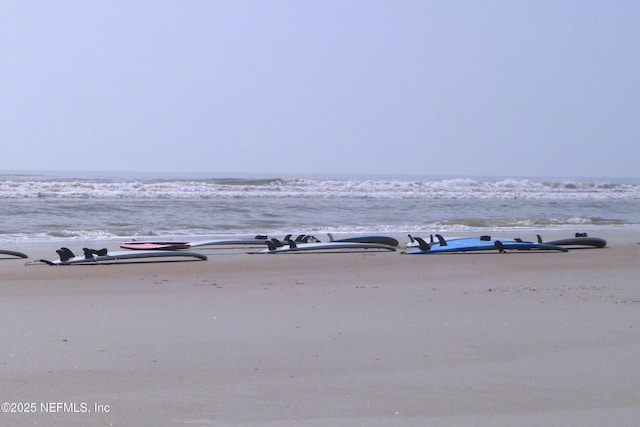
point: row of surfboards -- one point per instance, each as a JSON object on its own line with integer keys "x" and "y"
{"x": 165, "y": 251}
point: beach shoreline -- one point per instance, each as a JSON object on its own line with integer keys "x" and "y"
{"x": 365, "y": 338}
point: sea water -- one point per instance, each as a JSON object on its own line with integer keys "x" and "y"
{"x": 36, "y": 206}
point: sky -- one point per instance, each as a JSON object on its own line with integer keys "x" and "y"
{"x": 462, "y": 88}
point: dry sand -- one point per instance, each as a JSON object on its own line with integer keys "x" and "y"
{"x": 359, "y": 339}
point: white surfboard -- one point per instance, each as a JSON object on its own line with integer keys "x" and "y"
{"x": 114, "y": 257}
{"x": 172, "y": 246}
{"x": 290, "y": 246}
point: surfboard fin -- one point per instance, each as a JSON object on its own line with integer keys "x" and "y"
{"x": 65, "y": 254}
{"x": 539, "y": 238}
{"x": 89, "y": 253}
{"x": 292, "y": 244}
{"x": 271, "y": 245}
{"x": 276, "y": 242}
{"x": 424, "y": 246}
{"x": 499, "y": 246}
{"x": 441, "y": 240}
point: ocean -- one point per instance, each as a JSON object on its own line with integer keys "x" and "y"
{"x": 49, "y": 206}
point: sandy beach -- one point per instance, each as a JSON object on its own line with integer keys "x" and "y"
{"x": 357, "y": 339}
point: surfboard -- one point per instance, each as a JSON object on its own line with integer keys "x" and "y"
{"x": 275, "y": 246}
{"x": 13, "y": 253}
{"x": 146, "y": 246}
{"x": 383, "y": 240}
{"x": 477, "y": 244}
{"x": 580, "y": 241}
{"x": 173, "y": 246}
{"x": 103, "y": 256}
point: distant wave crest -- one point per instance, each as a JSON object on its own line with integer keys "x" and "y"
{"x": 315, "y": 188}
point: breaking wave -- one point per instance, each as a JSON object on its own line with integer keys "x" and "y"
{"x": 38, "y": 206}
{"x": 505, "y": 189}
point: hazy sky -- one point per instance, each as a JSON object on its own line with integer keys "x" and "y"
{"x": 546, "y": 88}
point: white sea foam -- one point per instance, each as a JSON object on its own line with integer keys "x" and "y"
{"x": 313, "y": 188}
{"x": 105, "y": 207}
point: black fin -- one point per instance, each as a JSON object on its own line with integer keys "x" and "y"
{"x": 539, "y": 238}
{"x": 410, "y": 238}
{"x": 441, "y": 240}
{"x": 88, "y": 253}
{"x": 292, "y": 244}
{"x": 517, "y": 239}
{"x": 271, "y": 245}
{"x": 68, "y": 251}
{"x": 499, "y": 246}
{"x": 299, "y": 239}
{"x": 277, "y": 242}
{"x": 63, "y": 256}
{"x": 424, "y": 246}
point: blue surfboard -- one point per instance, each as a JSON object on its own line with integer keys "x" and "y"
{"x": 478, "y": 244}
